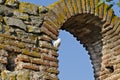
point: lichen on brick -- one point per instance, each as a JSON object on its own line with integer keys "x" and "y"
{"x": 53, "y": 70}
{"x": 32, "y": 29}
{"x": 34, "y": 54}
{"x": 1, "y": 46}
{"x": 7, "y": 75}
{"x": 23, "y": 75}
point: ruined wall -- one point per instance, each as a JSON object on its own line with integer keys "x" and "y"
{"x": 26, "y": 52}
{"x": 27, "y": 33}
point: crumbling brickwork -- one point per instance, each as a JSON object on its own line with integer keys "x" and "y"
{"x": 26, "y": 50}
{"x": 27, "y": 33}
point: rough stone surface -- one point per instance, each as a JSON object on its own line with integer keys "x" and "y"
{"x": 43, "y": 9}
{"x": 2, "y": 1}
{"x": 36, "y": 21}
{"x": 27, "y": 33}
{"x": 1, "y": 28}
{"x": 12, "y": 3}
{"x": 28, "y": 8}
{"x": 15, "y": 23}
{"x": 21, "y": 15}
{"x": 6, "y": 11}
{"x": 33, "y": 29}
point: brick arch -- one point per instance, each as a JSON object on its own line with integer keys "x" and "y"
{"x": 27, "y": 32}
{"x": 96, "y": 28}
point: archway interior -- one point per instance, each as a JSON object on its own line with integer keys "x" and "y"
{"x": 86, "y": 28}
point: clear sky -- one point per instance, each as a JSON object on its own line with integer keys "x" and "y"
{"x": 74, "y": 62}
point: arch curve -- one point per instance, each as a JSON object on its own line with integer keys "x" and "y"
{"x": 94, "y": 27}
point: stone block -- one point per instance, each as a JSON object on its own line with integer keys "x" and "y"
{"x": 21, "y": 15}
{"x": 33, "y": 29}
{"x": 36, "y": 21}
{"x": 14, "y": 22}
{"x": 5, "y": 11}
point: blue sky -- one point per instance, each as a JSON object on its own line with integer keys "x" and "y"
{"x": 74, "y": 62}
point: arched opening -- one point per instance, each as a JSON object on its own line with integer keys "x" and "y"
{"x": 87, "y": 29}
{"x": 74, "y": 61}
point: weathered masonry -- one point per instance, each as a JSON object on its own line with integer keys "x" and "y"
{"x": 27, "y": 32}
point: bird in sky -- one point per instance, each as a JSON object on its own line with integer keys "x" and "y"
{"x": 57, "y": 43}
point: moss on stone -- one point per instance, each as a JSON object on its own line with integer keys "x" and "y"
{"x": 28, "y": 8}
{"x": 21, "y": 15}
{"x": 7, "y": 75}
{"x": 6, "y": 36}
{"x": 52, "y": 70}
{"x": 1, "y": 46}
{"x": 12, "y": 3}
{"x": 23, "y": 75}
{"x": 53, "y": 5}
{"x": 1, "y": 28}
{"x": 6, "y": 28}
{"x": 43, "y": 9}
{"x": 33, "y": 29}
{"x": 32, "y": 37}
{"x": 3, "y": 75}
{"x": 12, "y": 77}
{"x": 1, "y": 19}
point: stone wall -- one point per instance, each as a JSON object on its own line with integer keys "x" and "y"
{"x": 28, "y": 31}
{"x": 26, "y": 49}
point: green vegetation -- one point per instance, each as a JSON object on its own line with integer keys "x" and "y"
{"x": 110, "y": 2}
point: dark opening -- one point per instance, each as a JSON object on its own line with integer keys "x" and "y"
{"x": 11, "y": 61}
{"x": 110, "y": 69}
